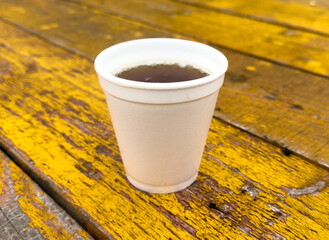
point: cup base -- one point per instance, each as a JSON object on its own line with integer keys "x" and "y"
{"x": 162, "y": 189}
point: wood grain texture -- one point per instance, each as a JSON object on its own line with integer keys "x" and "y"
{"x": 54, "y": 122}
{"x": 74, "y": 26}
{"x": 26, "y": 212}
{"x": 308, "y": 15}
{"x": 285, "y": 106}
{"x": 280, "y": 44}
{"x": 276, "y": 43}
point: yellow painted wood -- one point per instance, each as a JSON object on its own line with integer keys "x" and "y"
{"x": 266, "y": 99}
{"x": 54, "y": 120}
{"x": 308, "y": 15}
{"x": 277, "y": 43}
{"x": 31, "y": 214}
{"x": 316, "y": 3}
{"x": 273, "y": 42}
{"x": 75, "y": 26}
{"x": 282, "y": 105}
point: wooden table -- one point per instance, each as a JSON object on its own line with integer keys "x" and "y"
{"x": 264, "y": 172}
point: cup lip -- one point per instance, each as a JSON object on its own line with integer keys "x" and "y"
{"x": 158, "y": 86}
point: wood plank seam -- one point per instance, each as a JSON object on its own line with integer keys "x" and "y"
{"x": 56, "y": 43}
{"x": 11, "y": 210}
{"x": 200, "y": 39}
{"x": 10, "y": 223}
{"x": 85, "y": 55}
{"x": 52, "y": 190}
{"x": 46, "y": 187}
{"x": 28, "y": 212}
{"x": 251, "y": 189}
{"x": 173, "y": 212}
{"x": 272, "y": 141}
{"x": 235, "y": 77}
{"x": 259, "y": 19}
{"x": 284, "y": 149}
{"x": 241, "y": 127}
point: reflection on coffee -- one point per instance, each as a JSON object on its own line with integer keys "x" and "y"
{"x": 162, "y": 73}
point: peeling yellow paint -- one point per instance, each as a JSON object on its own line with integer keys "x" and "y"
{"x": 251, "y": 68}
{"x": 19, "y": 10}
{"x": 40, "y": 215}
{"x": 314, "y": 64}
{"x": 138, "y": 34}
{"x": 295, "y": 13}
{"x": 61, "y": 122}
{"x": 56, "y": 146}
{"x": 268, "y": 40}
{"x": 96, "y": 11}
{"x": 49, "y": 26}
{"x": 108, "y": 36}
{"x": 259, "y": 38}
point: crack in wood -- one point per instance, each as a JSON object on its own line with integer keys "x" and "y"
{"x": 312, "y": 189}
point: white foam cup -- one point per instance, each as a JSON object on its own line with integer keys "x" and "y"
{"x": 161, "y": 128}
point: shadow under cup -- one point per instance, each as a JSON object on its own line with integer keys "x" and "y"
{"x": 161, "y": 128}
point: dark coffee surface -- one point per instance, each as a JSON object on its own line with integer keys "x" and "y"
{"x": 162, "y": 73}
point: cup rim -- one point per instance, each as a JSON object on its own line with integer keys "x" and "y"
{"x": 158, "y": 86}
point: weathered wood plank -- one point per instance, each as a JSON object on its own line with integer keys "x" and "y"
{"x": 76, "y": 26}
{"x": 285, "y": 106}
{"x": 233, "y": 32}
{"x": 26, "y": 212}
{"x": 266, "y": 99}
{"x": 277, "y": 43}
{"x": 7, "y": 229}
{"x": 54, "y": 122}
{"x": 307, "y": 15}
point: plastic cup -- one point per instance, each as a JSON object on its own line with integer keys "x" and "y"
{"x": 161, "y": 128}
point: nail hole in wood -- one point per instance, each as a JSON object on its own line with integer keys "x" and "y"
{"x": 243, "y": 191}
{"x": 212, "y": 205}
{"x": 297, "y": 106}
{"x": 286, "y": 151}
